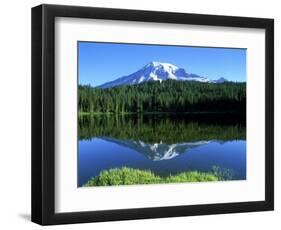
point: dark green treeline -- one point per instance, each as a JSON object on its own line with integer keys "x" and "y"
{"x": 168, "y": 96}
{"x": 162, "y": 128}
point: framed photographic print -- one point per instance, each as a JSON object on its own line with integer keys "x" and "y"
{"x": 142, "y": 114}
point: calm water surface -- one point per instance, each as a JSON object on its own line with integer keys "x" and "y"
{"x": 161, "y": 143}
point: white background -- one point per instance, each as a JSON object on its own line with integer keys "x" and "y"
{"x": 15, "y": 114}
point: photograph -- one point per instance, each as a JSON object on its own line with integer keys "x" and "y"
{"x": 141, "y": 114}
{"x": 151, "y": 114}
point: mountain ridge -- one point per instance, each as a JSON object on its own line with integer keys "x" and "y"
{"x": 158, "y": 71}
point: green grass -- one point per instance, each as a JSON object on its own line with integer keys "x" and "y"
{"x": 130, "y": 176}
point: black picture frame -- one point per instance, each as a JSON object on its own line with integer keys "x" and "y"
{"x": 43, "y": 114}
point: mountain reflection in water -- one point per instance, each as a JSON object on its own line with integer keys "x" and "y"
{"x": 164, "y": 144}
{"x": 157, "y": 151}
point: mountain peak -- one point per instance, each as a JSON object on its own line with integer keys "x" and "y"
{"x": 158, "y": 71}
{"x": 161, "y": 65}
{"x": 221, "y": 80}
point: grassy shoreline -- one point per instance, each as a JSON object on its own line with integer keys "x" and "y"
{"x": 130, "y": 176}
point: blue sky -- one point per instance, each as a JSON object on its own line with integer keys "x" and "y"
{"x": 102, "y": 62}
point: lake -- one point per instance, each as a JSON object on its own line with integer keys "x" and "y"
{"x": 166, "y": 144}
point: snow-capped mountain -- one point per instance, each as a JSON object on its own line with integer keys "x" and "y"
{"x": 220, "y": 80}
{"x": 158, "y": 71}
{"x": 157, "y": 151}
